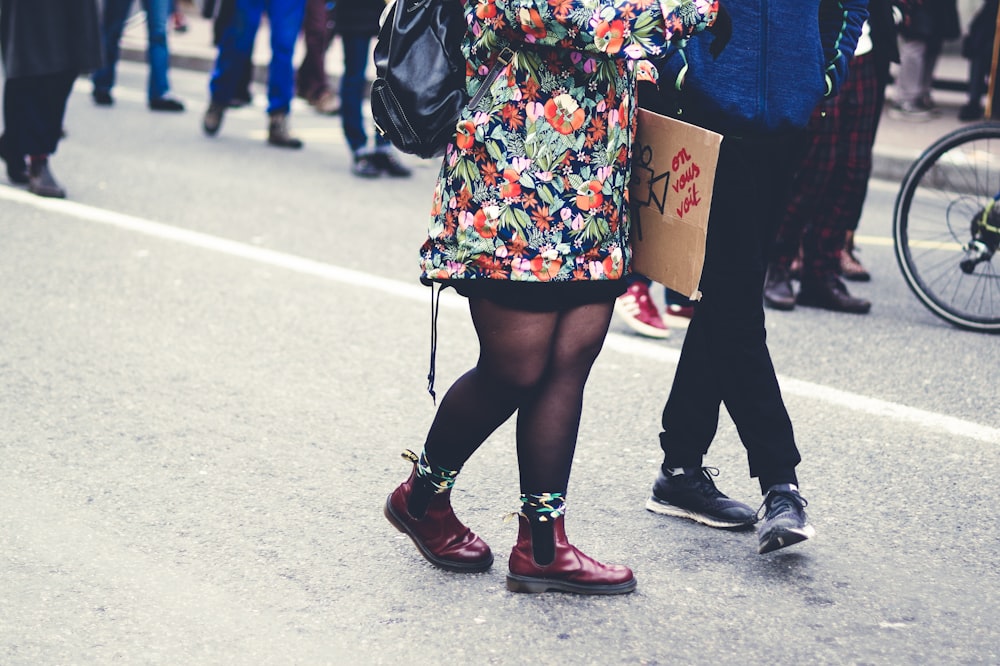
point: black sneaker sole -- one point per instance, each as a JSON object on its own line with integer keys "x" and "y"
{"x": 656, "y": 505}
{"x": 784, "y": 538}
{"x": 532, "y": 585}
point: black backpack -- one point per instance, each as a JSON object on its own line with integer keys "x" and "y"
{"x": 419, "y": 89}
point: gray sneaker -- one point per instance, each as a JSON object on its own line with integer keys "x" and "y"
{"x": 785, "y": 522}
{"x": 693, "y": 495}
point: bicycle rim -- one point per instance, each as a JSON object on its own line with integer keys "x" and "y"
{"x": 955, "y": 180}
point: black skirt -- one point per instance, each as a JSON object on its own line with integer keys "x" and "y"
{"x": 540, "y": 296}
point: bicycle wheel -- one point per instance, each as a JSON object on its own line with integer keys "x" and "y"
{"x": 946, "y": 227}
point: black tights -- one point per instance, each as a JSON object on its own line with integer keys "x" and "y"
{"x": 535, "y": 363}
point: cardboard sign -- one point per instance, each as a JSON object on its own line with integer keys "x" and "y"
{"x": 673, "y": 174}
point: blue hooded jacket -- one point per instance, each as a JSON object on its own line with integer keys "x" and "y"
{"x": 782, "y": 58}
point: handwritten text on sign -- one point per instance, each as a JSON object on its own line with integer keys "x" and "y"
{"x": 686, "y": 172}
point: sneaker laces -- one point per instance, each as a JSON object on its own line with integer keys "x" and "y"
{"x": 704, "y": 480}
{"x": 780, "y": 501}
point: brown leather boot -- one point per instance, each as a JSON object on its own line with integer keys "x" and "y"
{"x": 569, "y": 571}
{"x": 439, "y": 535}
{"x": 850, "y": 266}
{"x": 278, "y": 133}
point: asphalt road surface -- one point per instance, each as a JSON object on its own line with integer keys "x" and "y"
{"x": 213, "y": 353}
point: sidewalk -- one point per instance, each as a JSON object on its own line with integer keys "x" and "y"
{"x": 897, "y": 144}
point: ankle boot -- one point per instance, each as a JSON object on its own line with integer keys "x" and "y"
{"x": 569, "y": 571}
{"x": 41, "y": 181}
{"x": 438, "y": 534}
{"x": 277, "y": 132}
{"x": 850, "y": 266}
{"x": 778, "y": 290}
{"x": 830, "y": 293}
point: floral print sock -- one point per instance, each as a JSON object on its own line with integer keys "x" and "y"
{"x": 430, "y": 480}
{"x": 541, "y": 510}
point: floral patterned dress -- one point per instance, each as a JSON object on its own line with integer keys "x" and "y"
{"x": 534, "y": 186}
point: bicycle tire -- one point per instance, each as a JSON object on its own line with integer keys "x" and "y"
{"x": 934, "y": 219}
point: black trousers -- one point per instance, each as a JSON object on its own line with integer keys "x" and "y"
{"x": 725, "y": 359}
{"x": 33, "y": 111}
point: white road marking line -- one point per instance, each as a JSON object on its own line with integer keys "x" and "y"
{"x": 620, "y": 343}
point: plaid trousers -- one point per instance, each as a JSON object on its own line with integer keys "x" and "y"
{"x": 829, "y": 188}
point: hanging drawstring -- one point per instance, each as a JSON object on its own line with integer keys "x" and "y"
{"x": 435, "y": 309}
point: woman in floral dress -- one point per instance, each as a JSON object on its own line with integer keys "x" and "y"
{"x": 529, "y": 221}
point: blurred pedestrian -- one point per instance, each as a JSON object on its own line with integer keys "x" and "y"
{"x": 924, "y": 27}
{"x": 46, "y": 45}
{"x": 831, "y": 182}
{"x": 222, "y": 13}
{"x": 529, "y": 222}
{"x": 113, "y": 20}
{"x": 236, "y": 49}
{"x": 318, "y": 29}
{"x": 977, "y": 48}
{"x": 357, "y": 24}
{"x": 804, "y": 47}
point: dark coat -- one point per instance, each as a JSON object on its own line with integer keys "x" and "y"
{"x": 929, "y": 20}
{"x": 883, "y": 34}
{"x": 39, "y": 37}
{"x": 358, "y": 17}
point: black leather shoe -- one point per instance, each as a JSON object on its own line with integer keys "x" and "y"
{"x": 830, "y": 293}
{"x": 166, "y": 103}
{"x": 365, "y": 167}
{"x": 213, "y": 119}
{"x": 42, "y": 183}
{"x": 778, "y": 291}
{"x": 389, "y": 164}
{"x": 102, "y": 97}
{"x": 17, "y": 167}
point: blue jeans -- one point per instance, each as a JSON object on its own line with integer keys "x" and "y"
{"x": 236, "y": 48}
{"x": 352, "y": 92}
{"x": 112, "y": 26}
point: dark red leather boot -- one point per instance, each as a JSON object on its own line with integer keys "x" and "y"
{"x": 570, "y": 571}
{"x": 439, "y": 535}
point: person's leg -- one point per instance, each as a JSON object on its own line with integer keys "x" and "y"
{"x": 285, "y": 20}
{"x": 910, "y": 75}
{"x": 932, "y": 51}
{"x": 548, "y": 423}
{"x": 12, "y": 146}
{"x": 725, "y": 356}
{"x": 157, "y": 14}
{"x": 310, "y": 80}
{"x": 547, "y": 428}
{"x": 44, "y": 109}
{"x": 808, "y": 189}
{"x": 113, "y": 19}
{"x": 514, "y": 348}
{"x": 235, "y": 49}
{"x": 847, "y": 143}
{"x": 352, "y": 89}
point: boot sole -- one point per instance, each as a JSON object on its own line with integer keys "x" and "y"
{"x": 785, "y": 538}
{"x": 810, "y": 302}
{"x": 664, "y": 509}
{"x": 532, "y": 585}
{"x": 457, "y": 567}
